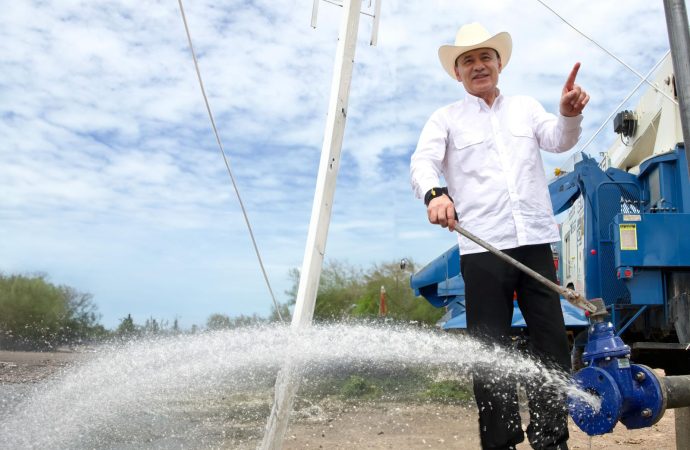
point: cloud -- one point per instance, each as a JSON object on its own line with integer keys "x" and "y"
{"x": 111, "y": 178}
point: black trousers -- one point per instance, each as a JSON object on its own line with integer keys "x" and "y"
{"x": 489, "y": 286}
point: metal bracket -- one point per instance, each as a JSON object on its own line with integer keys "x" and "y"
{"x": 375, "y": 16}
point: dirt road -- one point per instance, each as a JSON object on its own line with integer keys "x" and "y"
{"x": 337, "y": 424}
{"x": 447, "y": 427}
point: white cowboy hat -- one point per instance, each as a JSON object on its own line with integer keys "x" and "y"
{"x": 470, "y": 37}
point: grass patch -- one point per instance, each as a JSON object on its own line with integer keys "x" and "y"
{"x": 359, "y": 387}
{"x": 448, "y": 391}
{"x": 388, "y": 385}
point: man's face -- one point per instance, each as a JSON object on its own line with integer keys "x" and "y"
{"x": 478, "y": 70}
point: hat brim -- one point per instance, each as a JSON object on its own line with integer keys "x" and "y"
{"x": 501, "y": 42}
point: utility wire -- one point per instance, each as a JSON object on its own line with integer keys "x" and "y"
{"x": 227, "y": 162}
{"x": 644, "y": 79}
{"x": 601, "y": 127}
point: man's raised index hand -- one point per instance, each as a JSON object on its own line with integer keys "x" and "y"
{"x": 573, "y": 97}
{"x": 570, "y": 82}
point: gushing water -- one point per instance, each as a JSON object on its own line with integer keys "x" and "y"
{"x": 178, "y": 392}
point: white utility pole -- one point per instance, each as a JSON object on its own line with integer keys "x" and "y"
{"x": 288, "y": 380}
{"x": 328, "y": 167}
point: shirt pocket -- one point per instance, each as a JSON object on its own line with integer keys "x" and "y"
{"x": 463, "y": 140}
{"x": 523, "y": 143}
{"x": 521, "y": 131}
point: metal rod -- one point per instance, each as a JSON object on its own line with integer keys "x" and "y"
{"x": 572, "y": 296}
{"x": 375, "y": 25}
{"x": 314, "y": 13}
{"x": 679, "y": 39}
{"x": 631, "y": 320}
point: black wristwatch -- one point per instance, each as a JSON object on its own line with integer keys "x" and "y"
{"x": 436, "y": 192}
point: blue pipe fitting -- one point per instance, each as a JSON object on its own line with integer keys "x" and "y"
{"x": 629, "y": 393}
{"x": 603, "y": 345}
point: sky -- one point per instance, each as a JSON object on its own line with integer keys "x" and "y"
{"x": 111, "y": 180}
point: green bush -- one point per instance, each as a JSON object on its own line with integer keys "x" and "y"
{"x": 37, "y": 315}
{"x": 358, "y": 387}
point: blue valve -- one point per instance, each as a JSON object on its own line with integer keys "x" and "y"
{"x": 629, "y": 393}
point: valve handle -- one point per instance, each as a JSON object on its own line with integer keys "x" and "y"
{"x": 575, "y": 298}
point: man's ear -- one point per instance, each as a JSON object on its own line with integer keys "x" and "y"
{"x": 458, "y": 76}
{"x": 500, "y": 65}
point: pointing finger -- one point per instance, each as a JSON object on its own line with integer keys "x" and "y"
{"x": 570, "y": 82}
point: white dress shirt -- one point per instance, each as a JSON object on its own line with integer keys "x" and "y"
{"x": 490, "y": 159}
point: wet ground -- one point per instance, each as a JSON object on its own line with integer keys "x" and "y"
{"x": 328, "y": 423}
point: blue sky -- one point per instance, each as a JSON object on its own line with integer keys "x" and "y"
{"x": 110, "y": 177}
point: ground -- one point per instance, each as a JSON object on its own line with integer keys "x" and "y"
{"x": 371, "y": 425}
{"x": 423, "y": 426}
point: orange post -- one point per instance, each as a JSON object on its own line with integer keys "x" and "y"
{"x": 382, "y": 302}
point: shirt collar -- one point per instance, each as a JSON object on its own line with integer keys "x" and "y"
{"x": 473, "y": 100}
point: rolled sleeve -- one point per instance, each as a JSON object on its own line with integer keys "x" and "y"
{"x": 570, "y": 131}
{"x": 426, "y": 165}
{"x": 555, "y": 134}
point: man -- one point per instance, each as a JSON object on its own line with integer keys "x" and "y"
{"x": 486, "y": 147}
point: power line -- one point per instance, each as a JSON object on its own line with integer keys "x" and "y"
{"x": 227, "y": 162}
{"x": 601, "y": 127}
{"x": 643, "y": 78}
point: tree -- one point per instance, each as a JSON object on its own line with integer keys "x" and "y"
{"x": 401, "y": 301}
{"x": 152, "y": 327}
{"x": 224, "y": 322}
{"x": 218, "y": 322}
{"x": 347, "y": 291}
{"x": 285, "y": 314}
{"x": 245, "y": 321}
{"x": 82, "y": 316}
{"x": 340, "y": 287}
{"x": 37, "y": 315}
{"x": 127, "y": 329}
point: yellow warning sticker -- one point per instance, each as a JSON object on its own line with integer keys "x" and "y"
{"x": 628, "y": 232}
